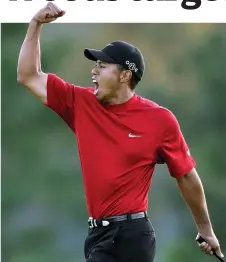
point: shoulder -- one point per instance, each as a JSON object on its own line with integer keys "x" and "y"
{"x": 54, "y": 80}
{"x": 146, "y": 103}
{"x": 156, "y": 108}
{"x": 85, "y": 92}
{"x": 164, "y": 116}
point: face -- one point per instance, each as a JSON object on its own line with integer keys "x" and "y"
{"x": 106, "y": 79}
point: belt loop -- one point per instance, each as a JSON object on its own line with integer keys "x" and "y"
{"x": 129, "y": 217}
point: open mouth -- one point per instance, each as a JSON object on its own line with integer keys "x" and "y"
{"x": 96, "y": 86}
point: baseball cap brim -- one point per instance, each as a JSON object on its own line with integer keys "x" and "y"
{"x": 94, "y": 55}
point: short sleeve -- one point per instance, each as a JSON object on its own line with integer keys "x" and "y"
{"x": 60, "y": 98}
{"x": 174, "y": 150}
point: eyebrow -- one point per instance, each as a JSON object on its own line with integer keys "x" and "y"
{"x": 100, "y": 62}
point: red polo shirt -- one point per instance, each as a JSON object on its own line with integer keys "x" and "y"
{"x": 119, "y": 146}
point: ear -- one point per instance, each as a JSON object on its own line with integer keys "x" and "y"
{"x": 125, "y": 76}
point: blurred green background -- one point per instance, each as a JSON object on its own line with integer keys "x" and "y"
{"x": 44, "y": 215}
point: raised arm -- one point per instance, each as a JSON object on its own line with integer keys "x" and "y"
{"x": 29, "y": 72}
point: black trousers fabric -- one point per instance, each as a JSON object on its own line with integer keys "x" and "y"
{"x": 126, "y": 241}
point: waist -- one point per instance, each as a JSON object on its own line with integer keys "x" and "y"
{"x": 116, "y": 206}
{"x": 103, "y": 222}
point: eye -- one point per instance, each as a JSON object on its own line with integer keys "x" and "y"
{"x": 100, "y": 65}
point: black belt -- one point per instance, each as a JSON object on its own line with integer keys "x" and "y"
{"x": 108, "y": 220}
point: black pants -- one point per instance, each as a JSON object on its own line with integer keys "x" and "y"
{"x": 126, "y": 241}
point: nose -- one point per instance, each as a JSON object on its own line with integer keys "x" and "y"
{"x": 94, "y": 71}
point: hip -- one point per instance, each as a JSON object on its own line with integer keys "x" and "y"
{"x": 129, "y": 238}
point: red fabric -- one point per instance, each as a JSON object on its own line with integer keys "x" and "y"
{"x": 119, "y": 146}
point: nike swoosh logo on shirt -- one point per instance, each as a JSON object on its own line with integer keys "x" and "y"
{"x": 132, "y": 135}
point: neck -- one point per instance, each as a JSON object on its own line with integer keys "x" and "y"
{"x": 122, "y": 96}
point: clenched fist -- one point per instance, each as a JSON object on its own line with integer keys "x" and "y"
{"x": 48, "y": 14}
{"x": 209, "y": 245}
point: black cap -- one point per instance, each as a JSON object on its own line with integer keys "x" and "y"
{"x": 121, "y": 53}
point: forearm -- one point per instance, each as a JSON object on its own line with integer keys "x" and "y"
{"x": 29, "y": 62}
{"x": 193, "y": 193}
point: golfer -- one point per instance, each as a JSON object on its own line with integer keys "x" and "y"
{"x": 121, "y": 137}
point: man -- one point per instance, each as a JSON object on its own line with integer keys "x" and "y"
{"x": 121, "y": 137}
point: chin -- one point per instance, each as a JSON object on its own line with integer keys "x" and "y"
{"x": 99, "y": 95}
{"x": 101, "y": 98}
